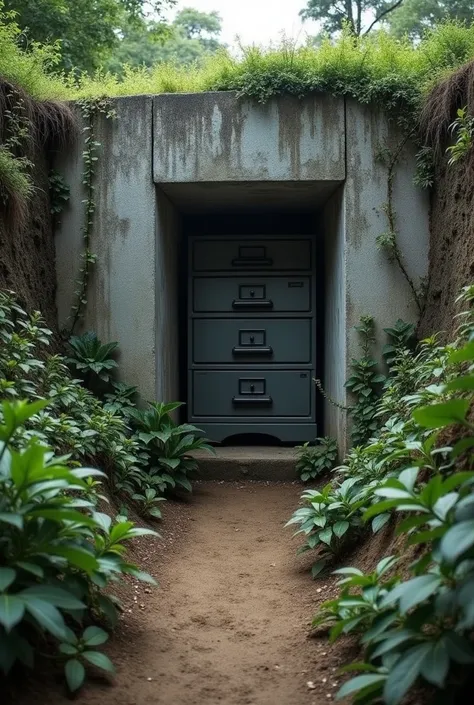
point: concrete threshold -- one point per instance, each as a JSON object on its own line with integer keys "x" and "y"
{"x": 247, "y": 462}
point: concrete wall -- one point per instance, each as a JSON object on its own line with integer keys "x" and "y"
{"x": 121, "y": 300}
{"x": 155, "y": 153}
{"x": 213, "y": 137}
{"x": 374, "y": 285}
{"x": 168, "y": 236}
{"x": 334, "y": 316}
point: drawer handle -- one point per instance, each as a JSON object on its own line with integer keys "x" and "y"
{"x": 252, "y": 262}
{"x": 251, "y": 399}
{"x": 252, "y": 350}
{"x": 252, "y": 303}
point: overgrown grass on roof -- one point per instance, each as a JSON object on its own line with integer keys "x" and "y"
{"x": 376, "y": 68}
{"x": 31, "y": 70}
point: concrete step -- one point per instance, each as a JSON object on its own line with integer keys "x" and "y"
{"x": 247, "y": 462}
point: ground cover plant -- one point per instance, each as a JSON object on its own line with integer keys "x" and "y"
{"x": 314, "y": 460}
{"x": 416, "y": 628}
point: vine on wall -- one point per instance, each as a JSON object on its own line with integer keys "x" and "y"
{"x": 90, "y": 109}
{"x": 388, "y": 240}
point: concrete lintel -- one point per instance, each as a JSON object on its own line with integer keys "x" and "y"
{"x": 209, "y": 137}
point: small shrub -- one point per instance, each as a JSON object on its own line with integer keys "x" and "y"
{"x": 92, "y": 359}
{"x": 328, "y": 518}
{"x": 315, "y": 460}
{"x": 169, "y": 445}
{"x": 57, "y": 553}
{"x": 462, "y": 129}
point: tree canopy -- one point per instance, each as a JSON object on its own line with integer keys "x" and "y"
{"x": 334, "y": 14}
{"x": 415, "y": 16}
{"x": 87, "y": 30}
{"x": 404, "y": 17}
{"x": 192, "y": 36}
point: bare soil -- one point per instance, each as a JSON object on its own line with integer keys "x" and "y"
{"x": 230, "y": 621}
{"x": 451, "y": 247}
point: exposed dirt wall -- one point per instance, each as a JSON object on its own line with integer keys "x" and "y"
{"x": 451, "y": 246}
{"x": 27, "y": 255}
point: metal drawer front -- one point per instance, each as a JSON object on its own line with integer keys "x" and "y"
{"x": 257, "y": 294}
{"x": 233, "y": 255}
{"x": 256, "y": 393}
{"x": 243, "y": 341}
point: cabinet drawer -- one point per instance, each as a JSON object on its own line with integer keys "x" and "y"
{"x": 256, "y": 393}
{"x": 251, "y": 294}
{"x": 232, "y": 255}
{"x": 257, "y": 340}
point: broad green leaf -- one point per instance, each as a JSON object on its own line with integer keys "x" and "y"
{"x": 462, "y": 383}
{"x": 68, "y": 649}
{"x": 87, "y": 472}
{"x": 360, "y": 682}
{"x": 172, "y": 463}
{"x": 12, "y": 519}
{"x": 79, "y": 557}
{"x": 326, "y": 535}
{"x": 435, "y": 665}
{"x": 386, "y": 564}
{"x": 444, "y": 414}
{"x": 408, "y": 477}
{"x": 462, "y": 446}
{"x": 108, "y": 609}
{"x": 459, "y": 648}
{"x": 412, "y": 592}
{"x": 380, "y": 521}
{"x": 61, "y": 515}
{"x": 94, "y": 636}
{"x": 59, "y": 597}
{"x": 7, "y": 576}
{"x": 340, "y": 528}
{"x": 465, "y": 354}
{"x": 75, "y": 674}
{"x": 139, "y": 574}
{"x": 318, "y": 567}
{"x": 379, "y": 626}
{"x": 458, "y": 539}
{"x": 25, "y": 410}
{"x": 404, "y": 674}
{"x": 103, "y": 520}
{"x": 100, "y": 660}
{"x": 47, "y": 616}
{"x": 391, "y": 642}
{"x": 12, "y": 610}
{"x": 348, "y": 571}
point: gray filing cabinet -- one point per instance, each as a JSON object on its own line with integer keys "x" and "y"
{"x": 252, "y": 352}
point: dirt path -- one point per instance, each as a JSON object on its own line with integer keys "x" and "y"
{"x": 229, "y": 624}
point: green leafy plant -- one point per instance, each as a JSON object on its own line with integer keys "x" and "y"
{"x": 92, "y": 359}
{"x": 168, "y": 444}
{"x": 462, "y": 129}
{"x": 81, "y": 650}
{"x": 425, "y": 164}
{"x": 364, "y": 383}
{"x": 56, "y": 552}
{"x": 361, "y": 604}
{"x": 401, "y": 337}
{"x": 148, "y": 502}
{"x": 417, "y": 630}
{"x": 326, "y": 518}
{"x": 315, "y": 460}
{"x": 121, "y": 400}
{"x": 59, "y": 192}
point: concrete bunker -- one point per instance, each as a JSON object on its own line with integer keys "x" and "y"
{"x": 207, "y": 204}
